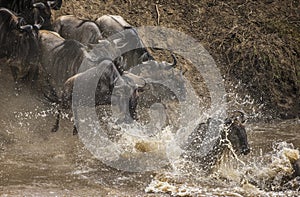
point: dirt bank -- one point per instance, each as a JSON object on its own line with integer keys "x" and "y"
{"x": 255, "y": 43}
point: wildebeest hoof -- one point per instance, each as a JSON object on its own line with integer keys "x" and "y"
{"x": 126, "y": 120}
{"x": 54, "y": 129}
{"x": 75, "y": 131}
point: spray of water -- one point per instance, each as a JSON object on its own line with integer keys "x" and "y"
{"x": 265, "y": 175}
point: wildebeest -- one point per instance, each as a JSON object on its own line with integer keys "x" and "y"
{"x": 71, "y": 27}
{"x": 115, "y": 27}
{"x": 33, "y": 10}
{"x": 40, "y": 14}
{"x": 19, "y": 44}
{"x": 232, "y": 134}
{"x": 61, "y": 60}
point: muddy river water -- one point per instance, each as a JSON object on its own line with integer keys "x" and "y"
{"x": 36, "y": 162}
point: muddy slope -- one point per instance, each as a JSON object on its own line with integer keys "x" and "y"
{"x": 256, "y": 43}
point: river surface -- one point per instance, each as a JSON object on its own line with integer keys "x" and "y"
{"x": 37, "y": 162}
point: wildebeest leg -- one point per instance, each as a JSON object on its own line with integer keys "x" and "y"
{"x": 133, "y": 102}
{"x": 75, "y": 124}
{"x": 56, "y": 125}
{"x": 14, "y": 72}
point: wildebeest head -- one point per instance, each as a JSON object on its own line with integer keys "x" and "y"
{"x": 55, "y": 4}
{"x": 235, "y": 132}
{"x": 41, "y": 15}
{"x": 163, "y": 81}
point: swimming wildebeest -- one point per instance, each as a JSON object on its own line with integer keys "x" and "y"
{"x": 232, "y": 134}
{"x": 19, "y": 44}
{"x": 115, "y": 28}
{"x": 71, "y": 27}
{"x": 61, "y": 60}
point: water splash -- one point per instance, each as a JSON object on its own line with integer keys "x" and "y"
{"x": 265, "y": 175}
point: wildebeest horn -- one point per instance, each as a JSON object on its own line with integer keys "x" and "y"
{"x": 51, "y": 3}
{"x": 26, "y": 27}
{"x": 40, "y": 24}
{"x": 174, "y": 60}
{"x": 169, "y": 66}
{"x": 39, "y": 5}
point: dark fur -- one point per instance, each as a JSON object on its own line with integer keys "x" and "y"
{"x": 19, "y": 46}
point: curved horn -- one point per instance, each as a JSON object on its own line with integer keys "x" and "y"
{"x": 38, "y": 26}
{"x": 39, "y": 23}
{"x": 26, "y": 27}
{"x": 169, "y": 66}
{"x": 51, "y": 3}
{"x": 174, "y": 60}
{"x": 39, "y": 5}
